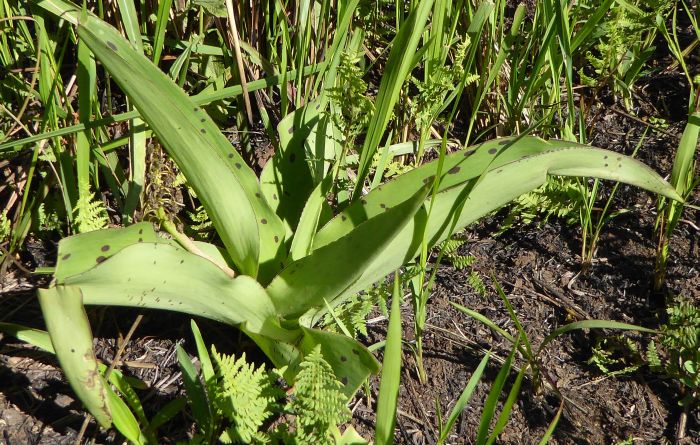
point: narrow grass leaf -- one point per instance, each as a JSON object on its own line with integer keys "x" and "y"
{"x": 463, "y": 399}
{"x": 552, "y": 425}
{"x": 507, "y": 407}
{"x": 391, "y": 372}
{"x": 397, "y": 69}
{"x": 34, "y": 337}
{"x": 492, "y": 399}
{"x": 203, "y": 353}
{"x": 196, "y": 393}
{"x": 124, "y": 420}
{"x": 485, "y": 320}
{"x": 593, "y": 324}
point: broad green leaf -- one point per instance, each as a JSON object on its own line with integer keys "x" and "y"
{"x": 330, "y": 270}
{"x": 71, "y": 336}
{"x": 34, "y": 337}
{"x": 227, "y": 187}
{"x": 77, "y": 254}
{"x": 163, "y": 276}
{"x": 286, "y": 180}
{"x": 476, "y": 182}
{"x": 352, "y": 363}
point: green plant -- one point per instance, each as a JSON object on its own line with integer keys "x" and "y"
{"x": 685, "y": 180}
{"x": 677, "y": 355}
{"x": 623, "y": 45}
{"x": 235, "y": 402}
{"x": 615, "y": 356}
{"x": 558, "y": 198}
{"x": 533, "y": 362}
{"x": 278, "y": 273}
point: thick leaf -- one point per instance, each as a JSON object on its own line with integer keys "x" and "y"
{"x": 351, "y": 362}
{"x": 72, "y": 340}
{"x": 329, "y": 271}
{"x": 512, "y": 166}
{"x": 163, "y": 276}
{"x": 79, "y": 253}
{"x": 550, "y": 157}
{"x": 286, "y": 180}
{"x": 228, "y": 189}
{"x": 34, "y": 337}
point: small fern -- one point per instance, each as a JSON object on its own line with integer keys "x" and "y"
{"x": 653, "y": 359}
{"x": 477, "y": 283}
{"x": 558, "y": 197}
{"x": 245, "y": 396}
{"x": 678, "y": 353}
{"x": 199, "y": 220}
{"x": 90, "y": 214}
{"x": 5, "y": 226}
{"x": 615, "y": 356}
{"x": 451, "y": 252}
{"x": 318, "y": 402}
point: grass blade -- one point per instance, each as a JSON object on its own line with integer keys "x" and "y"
{"x": 492, "y": 399}
{"x": 592, "y": 324}
{"x": 400, "y": 63}
{"x": 463, "y": 399}
{"x": 196, "y": 393}
{"x": 391, "y": 373}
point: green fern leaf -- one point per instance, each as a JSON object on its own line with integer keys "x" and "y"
{"x": 90, "y": 214}
{"x": 319, "y": 404}
{"x": 244, "y": 395}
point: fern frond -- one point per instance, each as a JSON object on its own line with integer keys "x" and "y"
{"x": 653, "y": 358}
{"x": 90, "y": 214}
{"x": 244, "y": 395}
{"x": 5, "y": 226}
{"x": 476, "y": 283}
{"x": 318, "y": 402}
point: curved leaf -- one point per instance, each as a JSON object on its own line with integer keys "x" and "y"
{"x": 331, "y": 270}
{"x": 477, "y": 181}
{"x": 71, "y": 336}
{"x": 228, "y": 189}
